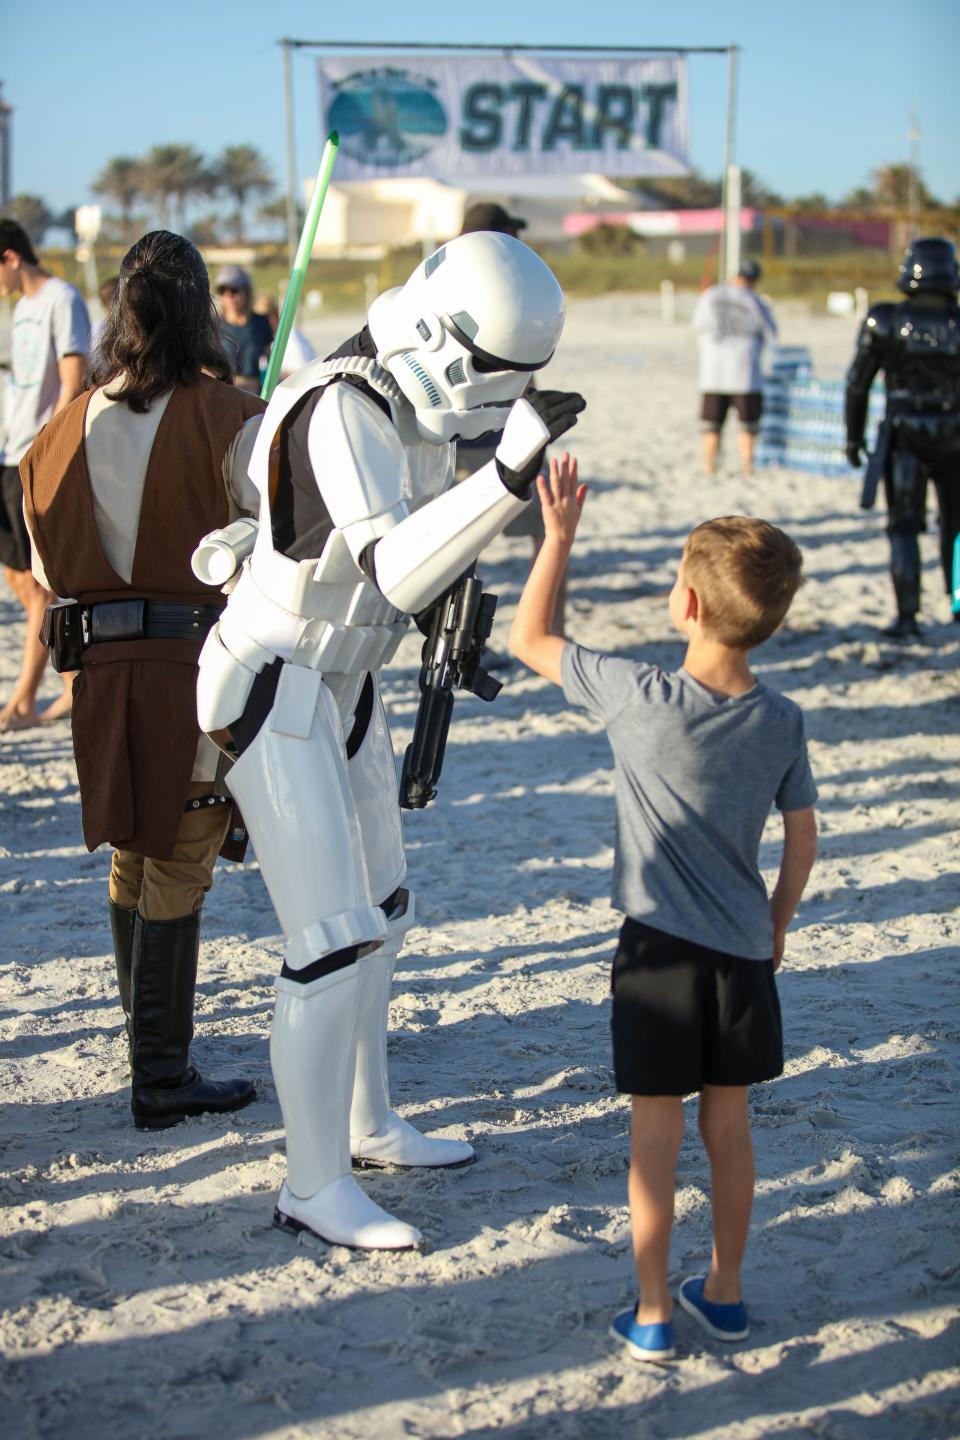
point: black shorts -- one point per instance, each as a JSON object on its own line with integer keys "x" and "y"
{"x": 749, "y": 408}
{"x": 685, "y": 1016}
{"x": 14, "y": 535}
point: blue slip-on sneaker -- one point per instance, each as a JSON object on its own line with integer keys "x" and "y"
{"x": 723, "y": 1322}
{"x": 643, "y": 1342}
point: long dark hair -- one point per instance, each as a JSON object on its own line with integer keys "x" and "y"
{"x": 162, "y": 328}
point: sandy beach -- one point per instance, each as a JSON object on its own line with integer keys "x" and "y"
{"x": 144, "y": 1291}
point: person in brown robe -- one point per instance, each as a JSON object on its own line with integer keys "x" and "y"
{"x": 118, "y": 489}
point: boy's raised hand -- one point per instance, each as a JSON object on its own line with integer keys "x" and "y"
{"x": 562, "y": 499}
{"x": 531, "y": 637}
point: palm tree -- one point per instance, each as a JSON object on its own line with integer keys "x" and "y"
{"x": 241, "y": 170}
{"x": 33, "y": 214}
{"x": 173, "y": 173}
{"x": 891, "y": 186}
{"x": 122, "y": 180}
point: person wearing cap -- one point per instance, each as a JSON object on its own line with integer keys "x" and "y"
{"x": 246, "y": 335}
{"x": 472, "y": 454}
{"x": 733, "y": 324}
{"x": 488, "y": 216}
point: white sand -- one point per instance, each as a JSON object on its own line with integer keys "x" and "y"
{"x": 148, "y": 1296}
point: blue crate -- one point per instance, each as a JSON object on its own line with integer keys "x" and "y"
{"x": 803, "y": 424}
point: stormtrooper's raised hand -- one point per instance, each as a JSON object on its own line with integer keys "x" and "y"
{"x": 534, "y": 421}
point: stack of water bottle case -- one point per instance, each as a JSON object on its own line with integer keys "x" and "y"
{"x": 802, "y": 426}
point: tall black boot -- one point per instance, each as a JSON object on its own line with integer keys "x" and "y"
{"x": 905, "y": 573}
{"x": 121, "y": 927}
{"x": 166, "y": 1087}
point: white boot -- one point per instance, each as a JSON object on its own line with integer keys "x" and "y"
{"x": 378, "y": 1136}
{"x": 312, "y": 1055}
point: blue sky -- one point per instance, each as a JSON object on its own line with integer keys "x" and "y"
{"x": 824, "y": 97}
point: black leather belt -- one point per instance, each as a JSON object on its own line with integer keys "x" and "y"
{"x": 112, "y": 620}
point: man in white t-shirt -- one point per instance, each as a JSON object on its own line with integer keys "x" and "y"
{"x": 733, "y": 324}
{"x": 49, "y": 342}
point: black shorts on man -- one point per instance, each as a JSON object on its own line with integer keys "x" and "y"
{"x": 14, "y": 535}
{"x": 749, "y": 408}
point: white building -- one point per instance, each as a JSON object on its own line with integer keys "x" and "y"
{"x": 369, "y": 217}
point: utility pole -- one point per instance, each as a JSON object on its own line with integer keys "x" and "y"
{"x": 913, "y": 174}
{"x": 730, "y": 219}
{"x": 6, "y": 141}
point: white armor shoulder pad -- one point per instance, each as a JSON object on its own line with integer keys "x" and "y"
{"x": 357, "y": 458}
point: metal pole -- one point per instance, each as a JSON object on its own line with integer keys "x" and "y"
{"x": 734, "y": 195}
{"x": 728, "y": 153}
{"x": 293, "y": 228}
{"x": 913, "y": 136}
{"x": 507, "y": 47}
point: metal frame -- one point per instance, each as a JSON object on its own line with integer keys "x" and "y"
{"x": 289, "y": 44}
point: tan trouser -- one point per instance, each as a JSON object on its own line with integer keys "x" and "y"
{"x": 169, "y": 889}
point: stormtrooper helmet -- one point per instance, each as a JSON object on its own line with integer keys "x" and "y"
{"x": 464, "y": 334}
{"x": 930, "y": 264}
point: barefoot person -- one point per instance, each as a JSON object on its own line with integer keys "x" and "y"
{"x": 700, "y": 755}
{"x": 49, "y": 342}
{"x": 119, "y": 487}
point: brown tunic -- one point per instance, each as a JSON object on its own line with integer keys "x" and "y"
{"x": 135, "y": 729}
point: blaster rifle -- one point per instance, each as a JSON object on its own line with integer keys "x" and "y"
{"x": 457, "y": 627}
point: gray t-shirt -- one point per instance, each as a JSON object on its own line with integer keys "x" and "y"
{"x": 695, "y": 775}
{"x": 732, "y": 324}
{"x": 46, "y": 326}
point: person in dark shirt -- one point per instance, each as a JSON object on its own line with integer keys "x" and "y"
{"x": 247, "y": 336}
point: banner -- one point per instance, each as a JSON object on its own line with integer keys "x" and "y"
{"x": 488, "y": 117}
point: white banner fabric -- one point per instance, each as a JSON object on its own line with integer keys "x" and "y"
{"x": 490, "y": 116}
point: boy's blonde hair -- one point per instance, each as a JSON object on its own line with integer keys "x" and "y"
{"x": 745, "y": 573}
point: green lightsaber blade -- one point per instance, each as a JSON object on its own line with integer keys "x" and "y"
{"x": 291, "y": 301}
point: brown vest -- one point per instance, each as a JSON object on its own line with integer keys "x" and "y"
{"x": 135, "y": 729}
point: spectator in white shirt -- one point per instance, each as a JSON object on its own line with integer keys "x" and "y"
{"x": 733, "y": 324}
{"x": 49, "y": 343}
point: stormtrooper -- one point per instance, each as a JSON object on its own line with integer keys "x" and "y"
{"x": 916, "y": 343}
{"x": 358, "y": 532}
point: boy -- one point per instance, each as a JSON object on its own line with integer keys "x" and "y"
{"x": 699, "y": 757}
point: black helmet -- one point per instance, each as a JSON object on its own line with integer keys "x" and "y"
{"x": 929, "y": 264}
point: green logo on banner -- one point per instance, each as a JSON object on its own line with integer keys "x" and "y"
{"x": 386, "y": 116}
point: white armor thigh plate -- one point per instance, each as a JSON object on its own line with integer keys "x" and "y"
{"x": 291, "y": 784}
{"x": 372, "y": 773}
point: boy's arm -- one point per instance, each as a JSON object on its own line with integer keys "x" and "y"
{"x": 530, "y": 638}
{"x": 799, "y": 853}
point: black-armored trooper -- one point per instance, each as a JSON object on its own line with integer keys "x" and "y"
{"x": 916, "y": 344}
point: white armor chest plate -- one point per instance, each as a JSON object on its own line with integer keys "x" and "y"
{"x": 325, "y": 614}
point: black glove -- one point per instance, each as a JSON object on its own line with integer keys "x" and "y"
{"x": 558, "y": 409}
{"x": 854, "y": 453}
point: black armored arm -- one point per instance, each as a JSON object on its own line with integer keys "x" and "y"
{"x": 872, "y": 345}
